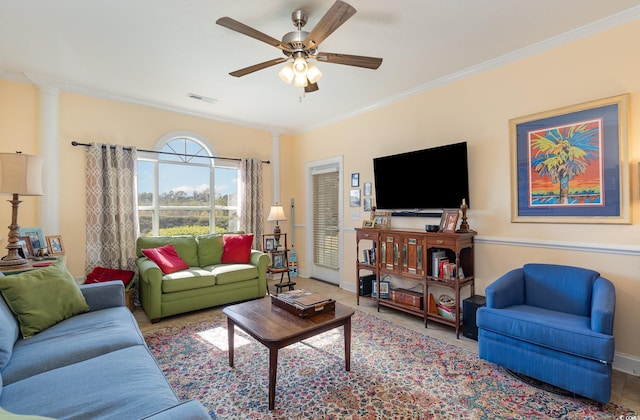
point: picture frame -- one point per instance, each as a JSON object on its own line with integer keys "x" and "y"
{"x": 366, "y": 189}
{"x": 55, "y": 245}
{"x": 382, "y": 218}
{"x": 385, "y": 288}
{"x": 25, "y": 246}
{"x": 355, "y": 179}
{"x": 354, "y": 198}
{"x": 277, "y": 261}
{"x": 269, "y": 244}
{"x": 449, "y": 220}
{"x": 35, "y": 236}
{"x": 368, "y": 224}
{"x": 367, "y": 204}
{"x": 595, "y": 188}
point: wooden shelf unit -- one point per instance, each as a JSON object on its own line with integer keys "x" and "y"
{"x": 408, "y": 254}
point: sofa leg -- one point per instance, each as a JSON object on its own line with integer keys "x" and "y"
{"x": 155, "y": 320}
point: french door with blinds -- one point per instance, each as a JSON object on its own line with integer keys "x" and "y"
{"x": 326, "y": 258}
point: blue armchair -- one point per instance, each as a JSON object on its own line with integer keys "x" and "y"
{"x": 553, "y": 323}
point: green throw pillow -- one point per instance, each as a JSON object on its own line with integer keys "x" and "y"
{"x": 43, "y": 297}
{"x": 210, "y": 249}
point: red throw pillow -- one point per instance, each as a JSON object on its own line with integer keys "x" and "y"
{"x": 237, "y": 248}
{"x": 167, "y": 258}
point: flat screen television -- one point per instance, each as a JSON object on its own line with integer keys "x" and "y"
{"x": 430, "y": 179}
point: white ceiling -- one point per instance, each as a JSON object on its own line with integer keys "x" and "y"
{"x": 155, "y": 52}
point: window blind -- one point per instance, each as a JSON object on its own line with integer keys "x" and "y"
{"x": 325, "y": 219}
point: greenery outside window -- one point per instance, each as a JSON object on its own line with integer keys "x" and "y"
{"x": 187, "y": 192}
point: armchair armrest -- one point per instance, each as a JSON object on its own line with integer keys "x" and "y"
{"x": 109, "y": 294}
{"x": 603, "y": 305}
{"x": 507, "y": 290}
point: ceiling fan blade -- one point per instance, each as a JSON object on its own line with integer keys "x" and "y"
{"x": 256, "y": 67}
{"x": 350, "y": 60}
{"x": 234, "y": 25}
{"x": 311, "y": 87}
{"x": 338, "y": 14}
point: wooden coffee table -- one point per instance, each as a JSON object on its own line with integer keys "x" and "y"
{"x": 276, "y": 328}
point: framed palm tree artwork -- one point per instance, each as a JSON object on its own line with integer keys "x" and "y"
{"x": 571, "y": 165}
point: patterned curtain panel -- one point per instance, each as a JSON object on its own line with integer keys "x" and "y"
{"x": 251, "y": 199}
{"x": 112, "y": 219}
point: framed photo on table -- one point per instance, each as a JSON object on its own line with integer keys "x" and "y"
{"x": 25, "y": 246}
{"x": 571, "y": 165}
{"x": 35, "y": 236}
{"x": 55, "y": 245}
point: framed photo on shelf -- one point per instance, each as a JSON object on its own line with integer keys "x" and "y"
{"x": 35, "y": 236}
{"x": 55, "y": 245}
{"x": 25, "y": 246}
{"x": 571, "y": 165}
{"x": 449, "y": 220}
{"x": 269, "y": 244}
{"x": 385, "y": 287}
{"x": 277, "y": 259}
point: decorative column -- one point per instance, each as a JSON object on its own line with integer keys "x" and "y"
{"x": 275, "y": 166}
{"x": 49, "y": 213}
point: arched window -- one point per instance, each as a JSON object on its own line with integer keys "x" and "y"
{"x": 184, "y": 190}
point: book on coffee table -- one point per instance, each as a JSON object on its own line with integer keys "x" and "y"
{"x": 303, "y": 303}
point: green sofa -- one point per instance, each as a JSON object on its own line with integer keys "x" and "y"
{"x": 205, "y": 284}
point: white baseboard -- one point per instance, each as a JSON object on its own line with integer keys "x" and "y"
{"x": 626, "y": 363}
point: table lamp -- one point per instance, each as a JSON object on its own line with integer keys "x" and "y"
{"x": 20, "y": 174}
{"x": 276, "y": 214}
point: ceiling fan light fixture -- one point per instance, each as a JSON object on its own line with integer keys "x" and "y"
{"x": 300, "y": 81}
{"x": 300, "y": 66}
{"x": 313, "y": 73}
{"x": 286, "y": 73}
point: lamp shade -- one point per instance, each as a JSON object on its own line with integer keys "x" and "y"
{"x": 276, "y": 213}
{"x": 21, "y": 174}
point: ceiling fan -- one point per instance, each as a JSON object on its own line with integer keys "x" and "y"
{"x": 299, "y": 47}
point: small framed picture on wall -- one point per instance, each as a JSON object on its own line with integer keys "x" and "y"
{"x": 355, "y": 179}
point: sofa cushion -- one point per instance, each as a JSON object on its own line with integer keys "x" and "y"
{"x": 557, "y": 330}
{"x": 559, "y": 287}
{"x": 73, "y": 340}
{"x": 9, "y": 332}
{"x": 123, "y": 384}
{"x": 186, "y": 246}
{"x": 233, "y": 273}
{"x": 43, "y": 297}
{"x": 210, "y": 249}
{"x": 193, "y": 278}
{"x": 237, "y": 248}
{"x": 167, "y": 258}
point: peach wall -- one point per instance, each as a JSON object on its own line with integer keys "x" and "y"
{"x": 18, "y": 132}
{"x": 477, "y": 109}
{"x": 90, "y": 119}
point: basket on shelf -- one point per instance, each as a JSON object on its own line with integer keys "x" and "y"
{"x": 446, "y": 301}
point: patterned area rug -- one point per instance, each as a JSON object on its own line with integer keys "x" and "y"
{"x": 395, "y": 373}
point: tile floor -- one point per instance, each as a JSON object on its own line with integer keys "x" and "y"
{"x": 625, "y": 388}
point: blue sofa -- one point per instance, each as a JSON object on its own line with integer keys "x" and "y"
{"x": 95, "y": 365}
{"x": 553, "y": 323}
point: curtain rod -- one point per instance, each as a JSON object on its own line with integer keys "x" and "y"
{"x": 75, "y": 143}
